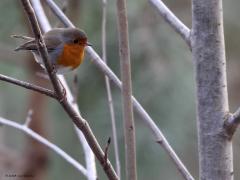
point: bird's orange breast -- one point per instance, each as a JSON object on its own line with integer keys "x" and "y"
{"x": 72, "y": 56}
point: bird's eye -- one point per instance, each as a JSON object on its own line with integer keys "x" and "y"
{"x": 76, "y": 41}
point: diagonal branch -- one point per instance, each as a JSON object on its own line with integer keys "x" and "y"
{"x": 158, "y": 135}
{"x": 172, "y": 20}
{"x": 73, "y": 114}
{"x": 28, "y": 86}
{"x": 45, "y": 142}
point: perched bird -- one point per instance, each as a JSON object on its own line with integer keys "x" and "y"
{"x": 65, "y": 48}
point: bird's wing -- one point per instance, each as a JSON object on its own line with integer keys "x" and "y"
{"x": 53, "y": 39}
{"x": 51, "y": 44}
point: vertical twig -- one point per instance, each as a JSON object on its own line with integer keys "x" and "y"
{"x": 109, "y": 93}
{"x": 129, "y": 127}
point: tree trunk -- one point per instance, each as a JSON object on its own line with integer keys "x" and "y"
{"x": 215, "y": 148}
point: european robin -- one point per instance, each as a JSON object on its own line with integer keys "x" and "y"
{"x": 65, "y": 48}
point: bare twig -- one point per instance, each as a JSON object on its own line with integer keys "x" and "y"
{"x": 128, "y": 119}
{"x": 73, "y": 114}
{"x": 45, "y": 142}
{"x": 172, "y": 20}
{"x": 28, "y": 86}
{"x": 108, "y": 88}
{"x": 158, "y": 135}
{"x": 88, "y": 153}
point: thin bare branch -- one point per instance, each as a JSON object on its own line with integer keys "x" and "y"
{"x": 88, "y": 153}
{"x": 28, "y": 86}
{"x": 45, "y": 142}
{"x": 73, "y": 114}
{"x": 172, "y": 20}
{"x": 128, "y": 119}
{"x": 158, "y": 135}
{"x": 108, "y": 89}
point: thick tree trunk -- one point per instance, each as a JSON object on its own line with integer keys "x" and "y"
{"x": 215, "y": 148}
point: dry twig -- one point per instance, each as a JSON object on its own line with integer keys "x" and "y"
{"x": 28, "y": 86}
{"x": 128, "y": 119}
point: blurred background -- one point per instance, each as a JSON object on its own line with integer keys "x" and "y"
{"x": 163, "y": 82}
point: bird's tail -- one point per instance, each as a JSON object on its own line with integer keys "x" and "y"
{"x": 29, "y": 45}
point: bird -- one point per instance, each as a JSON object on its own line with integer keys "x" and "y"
{"x": 65, "y": 48}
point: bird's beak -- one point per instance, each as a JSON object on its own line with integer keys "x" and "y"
{"x": 88, "y": 44}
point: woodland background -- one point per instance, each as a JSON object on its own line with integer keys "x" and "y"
{"x": 162, "y": 76}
